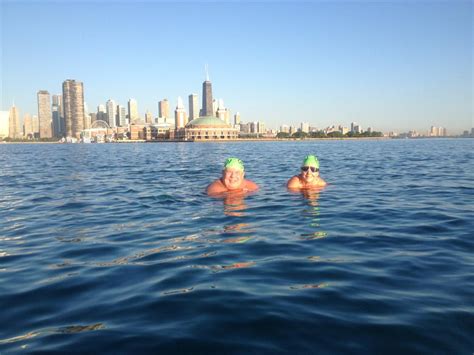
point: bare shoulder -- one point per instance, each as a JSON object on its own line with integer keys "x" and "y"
{"x": 294, "y": 183}
{"x": 251, "y": 186}
{"x": 216, "y": 187}
{"x": 321, "y": 182}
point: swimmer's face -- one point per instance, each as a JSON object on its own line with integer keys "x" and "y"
{"x": 309, "y": 173}
{"x": 233, "y": 178}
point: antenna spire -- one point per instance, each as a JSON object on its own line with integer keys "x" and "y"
{"x": 207, "y": 72}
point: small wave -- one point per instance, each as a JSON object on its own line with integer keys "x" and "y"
{"x": 72, "y": 329}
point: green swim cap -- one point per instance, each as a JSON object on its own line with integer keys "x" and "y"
{"x": 234, "y": 163}
{"x": 311, "y": 160}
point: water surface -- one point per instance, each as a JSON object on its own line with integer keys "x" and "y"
{"x": 116, "y": 248}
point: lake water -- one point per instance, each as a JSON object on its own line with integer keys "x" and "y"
{"x": 115, "y": 248}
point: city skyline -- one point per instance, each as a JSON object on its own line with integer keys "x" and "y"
{"x": 391, "y": 66}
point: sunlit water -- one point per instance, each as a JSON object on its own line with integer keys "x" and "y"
{"x": 115, "y": 248}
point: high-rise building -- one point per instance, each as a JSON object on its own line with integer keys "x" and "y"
{"x": 220, "y": 111}
{"x": 44, "y": 114}
{"x": 207, "y": 99}
{"x": 111, "y": 109}
{"x": 237, "y": 119}
{"x": 164, "y": 110}
{"x": 121, "y": 115}
{"x": 132, "y": 110}
{"x": 193, "y": 106}
{"x": 87, "y": 121}
{"x": 14, "y": 123}
{"x": 58, "y": 125}
{"x": 4, "y": 124}
{"x": 101, "y": 113}
{"x": 353, "y": 127}
{"x": 148, "y": 117}
{"x": 215, "y": 107}
{"x": 27, "y": 126}
{"x": 284, "y": 128}
{"x": 73, "y": 106}
{"x": 304, "y": 127}
{"x": 180, "y": 115}
{"x": 227, "y": 115}
{"x": 56, "y": 121}
{"x": 254, "y": 127}
{"x": 58, "y": 102}
{"x": 35, "y": 125}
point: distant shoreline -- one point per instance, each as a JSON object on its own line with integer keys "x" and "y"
{"x": 248, "y": 140}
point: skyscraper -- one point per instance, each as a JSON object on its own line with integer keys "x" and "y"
{"x": 35, "y": 125}
{"x": 57, "y": 101}
{"x": 14, "y": 123}
{"x": 207, "y": 99}
{"x": 56, "y": 121}
{"x": 44, "y": 114}
{"x": 193, "y": 107}
{"x": 164, "y": 110}
{"x": 111, "y": 109}
{"x": 101, "y": 115}
{"x": 58, "y": 116}
{"x": 148, "y": 117}
{"x": 180, "y": 115}
{"x": 73, "y": 104}
{"x": 237, "y": 119}
{"x": 4, "y": 124}
{"x": 220, "y": 111}
{"x": 132, "y": 110}
{"x": 121, "y": 115}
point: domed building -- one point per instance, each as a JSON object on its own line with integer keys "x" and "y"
{"x": 209, "y": 128}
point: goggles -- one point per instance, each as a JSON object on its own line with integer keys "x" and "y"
{"x": 306, "y": 168}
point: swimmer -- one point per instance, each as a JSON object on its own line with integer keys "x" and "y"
{"x": 309, "y": 176}
{"x": 232, "y": 179}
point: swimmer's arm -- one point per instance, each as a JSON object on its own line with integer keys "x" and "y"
{"x": 294, "y": 183}
{"x": 251, "y": 186}
{"x": 216, "y": 188}
{"x": 322, "y": 182}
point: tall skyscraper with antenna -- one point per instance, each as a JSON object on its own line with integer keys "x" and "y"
{"x": 207, "y": 97}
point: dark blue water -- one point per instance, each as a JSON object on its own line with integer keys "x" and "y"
{"x": 114, "y": 248}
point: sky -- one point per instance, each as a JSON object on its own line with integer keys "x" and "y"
{"x": 391, "y": 65}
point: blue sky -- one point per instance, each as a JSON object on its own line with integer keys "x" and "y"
{"x": 396, "y": 65}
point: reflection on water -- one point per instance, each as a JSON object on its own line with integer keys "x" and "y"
{"x": 234, "y": 204}
{"x": 312, "y": 212}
